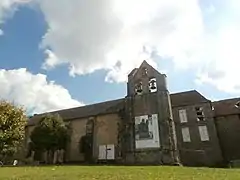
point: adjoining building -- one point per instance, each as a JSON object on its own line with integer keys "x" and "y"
{"x": 151, "y": 126}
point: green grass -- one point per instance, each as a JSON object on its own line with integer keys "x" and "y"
{"x": 116, "y": 173}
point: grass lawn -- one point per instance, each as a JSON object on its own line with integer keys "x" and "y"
{"x": 116, "y": 172}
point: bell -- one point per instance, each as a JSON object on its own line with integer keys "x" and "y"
{"x": 152, "y": 84}
{"x": 139, "y": 89}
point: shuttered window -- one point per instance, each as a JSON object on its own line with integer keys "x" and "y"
{"x": 203, "y": 133}
{"x": 183, "y": 115}
{"x": 186, "y": 134}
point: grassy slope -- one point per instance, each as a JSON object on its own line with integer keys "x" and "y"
{"x": 117, "y": 173}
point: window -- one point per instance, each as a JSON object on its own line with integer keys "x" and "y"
{"x": 152, "y": 84}
{"x": 138, "y": 88}
{"x": 200, "y": 114}
{"x": 203, "y": 133}
{"x": 186, "y": 134}
{"x": 183, "y": 115}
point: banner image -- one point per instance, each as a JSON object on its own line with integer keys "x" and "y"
{"x": 146, "y": 131}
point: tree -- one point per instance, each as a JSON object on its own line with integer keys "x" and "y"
{"x": 50, "y": 134}
{"x": 12, "y": 128}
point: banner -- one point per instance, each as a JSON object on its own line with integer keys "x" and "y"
{"x": 146, "y": 131}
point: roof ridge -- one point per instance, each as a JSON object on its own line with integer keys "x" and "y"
{"x": 181, "y": 92}
{"x": 228, "y": 99}
{"x": 74, "y": 108}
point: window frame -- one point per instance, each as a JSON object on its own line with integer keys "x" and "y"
{"x": 203, "y": 133}
{"x": 186, "y": 138}
{"x": 182, "y": 113}
{"x": 201, "y": 109}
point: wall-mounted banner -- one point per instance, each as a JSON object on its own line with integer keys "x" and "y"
{"x": 146, "y": 131}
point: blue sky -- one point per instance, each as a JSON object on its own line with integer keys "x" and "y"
{"x": 20, "y": 48}
{"x": 88, "y": 48}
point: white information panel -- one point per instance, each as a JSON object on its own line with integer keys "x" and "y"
{"x": 146, "y": 132}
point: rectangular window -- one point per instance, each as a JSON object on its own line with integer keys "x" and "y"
{"x": 203, "y": 133}
{"x": 183, "y": 115}
{"x": 186, "y": 134}
{"x": 200, "y": 114}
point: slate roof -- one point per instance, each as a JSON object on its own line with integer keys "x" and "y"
{"x": 84, "y": 111}
{"x": 132, "y": 72}
{"x": 187, "y": 98}
{"x": 177, "y": 99}
{"x": 226, "y": 107}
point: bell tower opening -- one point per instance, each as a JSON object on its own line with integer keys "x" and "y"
{"x": 152, "y": 85}
{"x": 138, "y": 88}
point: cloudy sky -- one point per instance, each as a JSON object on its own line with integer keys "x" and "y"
{"x": 58, "y": 54}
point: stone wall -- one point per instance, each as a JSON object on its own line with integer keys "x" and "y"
{"x": 148, "y": 95}
{"x": 78, "y": 129}
{"x": 148, "y": 104}
{"x": 197, "y": 152}
{"x": 106, "y": 132}
{"x": 229, "y": 135}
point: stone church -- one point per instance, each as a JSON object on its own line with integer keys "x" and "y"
{"x": 150, "y": 126}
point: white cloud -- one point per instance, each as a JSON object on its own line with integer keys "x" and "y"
{"x": 221, "y": 55}
{"x": 5, "y": 7}
{"x": 8, "y": 7}
{"x": 51, "y": 60}
{"x": 93, "y": 34}
{"x": 34, "y": 91}
{"x": 222, "y": 69}
{"x": 116, "y": 35}
{"x": 111, "y": 34}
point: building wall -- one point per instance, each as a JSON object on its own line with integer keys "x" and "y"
{"x": 155, "y": 103}
{"x": 229, "y": 135}
{"x": 105, "y": 132}
{"x": 197, "y": 152}
{"x": 78, "y": 129}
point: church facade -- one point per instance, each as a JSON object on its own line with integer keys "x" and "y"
{"x": 148, "y": 126}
